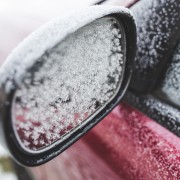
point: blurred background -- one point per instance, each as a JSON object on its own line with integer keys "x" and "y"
{"x": 20, "y": 17}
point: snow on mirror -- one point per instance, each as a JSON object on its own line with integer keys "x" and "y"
{"x": 69, "y": 84}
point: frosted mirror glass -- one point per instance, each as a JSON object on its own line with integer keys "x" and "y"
{"x": 69, "y": 84}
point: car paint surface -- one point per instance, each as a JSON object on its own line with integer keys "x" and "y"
{"x": 125, "y": 145}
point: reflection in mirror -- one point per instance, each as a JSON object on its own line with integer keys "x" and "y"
{"x": 69, "y": 84}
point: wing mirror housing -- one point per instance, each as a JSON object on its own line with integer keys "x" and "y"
{"x": 63, "y": 79}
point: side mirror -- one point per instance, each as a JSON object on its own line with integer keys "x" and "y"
{"x": 64, "y": 79}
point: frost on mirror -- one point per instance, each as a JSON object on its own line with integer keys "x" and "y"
{"x": 69, "y": 84}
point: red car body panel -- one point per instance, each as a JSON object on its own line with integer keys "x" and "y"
{"x": 125, "y": 145}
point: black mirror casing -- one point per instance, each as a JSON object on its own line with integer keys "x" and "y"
{"x": 71, "y": 24}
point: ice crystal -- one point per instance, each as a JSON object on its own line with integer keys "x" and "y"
{"x": 69, "y": 83}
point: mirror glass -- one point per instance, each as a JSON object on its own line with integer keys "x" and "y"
{"x": 69, "y": 84}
